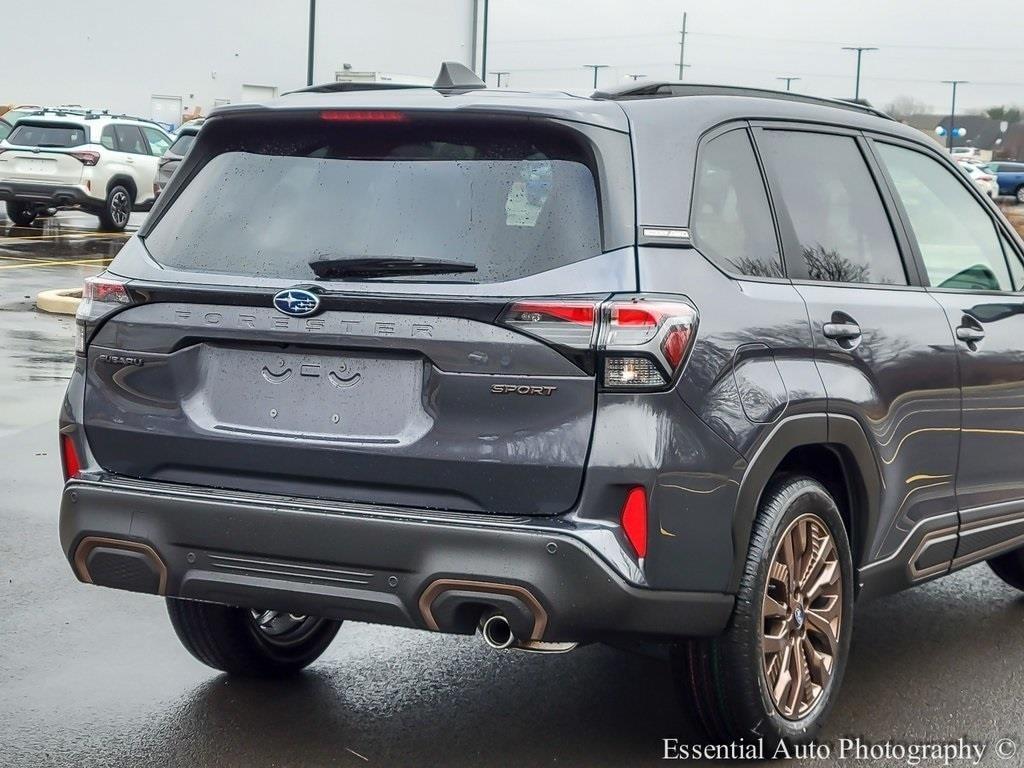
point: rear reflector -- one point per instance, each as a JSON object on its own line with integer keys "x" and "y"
{"x": 634, "y": 519}
{"x": 69, "y": 457}
{"x": 363, "y": 116}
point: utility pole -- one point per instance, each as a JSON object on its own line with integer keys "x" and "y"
{"x": 952, "y": 112}
{"x": 789, "y": 81}
{"x": 595, "y": 67}
{"x": 483, "y": 57}
{"x": 312, "y": 40}
{"x": 499, "y": 74}
{"x": 682, "y": 47}
{"x": 860, "y": 51}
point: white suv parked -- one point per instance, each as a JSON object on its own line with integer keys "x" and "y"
{"x": 103, "y": 164}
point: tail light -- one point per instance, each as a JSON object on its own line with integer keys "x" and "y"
{"x": 87, "y": 157}
{"x": 642, "y": 341}
{"x": 363, "y": 116}
{"x": 100, "y": 296}
{"x": 634, "y": 519}
{"x": 69, "y": 457}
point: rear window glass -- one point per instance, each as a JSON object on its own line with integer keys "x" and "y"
{"x": 181, "y": 144}
{"x": 509, "y": 198}
{"x": 40, "y": 135}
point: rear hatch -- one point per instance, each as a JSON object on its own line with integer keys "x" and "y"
{"x": 49, "y": 152}
{"x": 426, "y": 241}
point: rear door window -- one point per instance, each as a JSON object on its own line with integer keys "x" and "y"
{"x": 957, "y": 238}
{"x": 107, "y": 137}
{"x": 182, "y": 143}
{"x": 841, "y": 228}
{"x": 731, "y": 221}
{"x": 158, "y": 142}
{"x": 507, "y": 197}
{"x": 57, "y": 135}
{"x": 130, "y": 140}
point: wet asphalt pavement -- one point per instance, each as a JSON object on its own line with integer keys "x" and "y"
{"x": 95, "y": 677}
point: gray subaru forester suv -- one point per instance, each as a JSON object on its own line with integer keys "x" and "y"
{"x": 692, "y": 365}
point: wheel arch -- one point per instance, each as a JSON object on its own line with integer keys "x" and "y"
{"x": 127, "y": 182}
{"x": 833, "y": 450}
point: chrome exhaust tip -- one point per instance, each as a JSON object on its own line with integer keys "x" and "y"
{"x": 497, "y": 632}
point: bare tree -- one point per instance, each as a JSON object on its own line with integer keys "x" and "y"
{"x": 903, "y": 107}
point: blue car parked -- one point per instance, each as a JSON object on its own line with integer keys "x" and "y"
{"x": 1010, "y": 177}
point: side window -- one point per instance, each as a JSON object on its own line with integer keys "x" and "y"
{"x": 107, "y": 137}
{"x": 130, "y": 139}
{"x": 158, "y": 143}
{"x": 1016, "y": 264}
{"x": 842, "y": 230}
{"x": 731, "y": 221}
{"x": 957, "y": 238}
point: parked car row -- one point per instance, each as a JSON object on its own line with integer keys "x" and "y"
{"x": 107, "y": 165}
{"x": 1009, "y": 178}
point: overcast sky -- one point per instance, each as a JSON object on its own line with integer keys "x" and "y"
{"x": 544, "y": 43}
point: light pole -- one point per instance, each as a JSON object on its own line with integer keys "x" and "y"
{"x": 595, "y": 67}
{"x": 860, "y": 50}
{"x": 952, "y": 112}
{"x": 483, "y": 56}
{"x": 636, "y": 77}
{"x": 789, "y": 81}
{"x": 312, "y": 39}
{"x": 499, "y": 74}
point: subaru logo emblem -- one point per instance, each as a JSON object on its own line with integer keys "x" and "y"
{"x": 296, "y": 302}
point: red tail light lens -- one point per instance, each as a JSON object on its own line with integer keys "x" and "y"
{"x": 69, "y": 457}
{"x": 569, "y": 323}
{"x": 634, "y": 520}
{"x": 99, "y": 295}
{"x": 106, "y": 290}
{"x": 363, "y": 116}
{"x": 87, "y": 157}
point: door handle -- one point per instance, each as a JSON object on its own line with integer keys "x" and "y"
{"x": 841, "y": 331}
{"x": 970, "y": 334}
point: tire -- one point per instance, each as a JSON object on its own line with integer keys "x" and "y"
{"x": 117, "y": 209}
{"x": 1010, "y": 568}
{"x": 723, "y": 683}
{"x": 1019, "y": 194}
{"x": 231, "y": 639}
{"x": 21, "y": 214}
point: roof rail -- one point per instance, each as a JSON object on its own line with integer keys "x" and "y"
{"x": 662, "y": 89}
{"x": 89, "y": 114}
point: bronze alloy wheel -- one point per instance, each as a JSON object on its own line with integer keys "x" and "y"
{"x": 801, "y": 616}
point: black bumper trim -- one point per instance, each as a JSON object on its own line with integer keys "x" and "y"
{"x": 377, "y": 568}
{"x": 46, "y": 194}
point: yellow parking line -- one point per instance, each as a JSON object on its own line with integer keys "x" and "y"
{"x": 74, "y": 263}
{"x": 76, "y": 236}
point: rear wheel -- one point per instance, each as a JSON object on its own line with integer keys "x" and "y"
{"x": 116, "y": 210}
{"x": 1010, "y": 568}
{"x": 775, "y": 672}
{"x": 253, "y": 643}
{"x": 21, "y": 214}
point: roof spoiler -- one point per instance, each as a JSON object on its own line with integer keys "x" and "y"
{"x": 456, "y": 76}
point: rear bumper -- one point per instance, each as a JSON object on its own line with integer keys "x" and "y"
{"x": 54, "y": 195}
{"x": 402, "y": 567}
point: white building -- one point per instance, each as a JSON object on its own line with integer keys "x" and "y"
{"x": 163, "y": 60}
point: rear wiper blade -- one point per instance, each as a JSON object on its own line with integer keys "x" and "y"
{"x": 385, "y": 266}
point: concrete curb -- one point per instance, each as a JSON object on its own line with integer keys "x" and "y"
{"x": 62, "y": 302}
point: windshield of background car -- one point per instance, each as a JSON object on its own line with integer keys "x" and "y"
{"x": 31, "y": 134}
{"x": 181, "y": 144}
{"x": 511, "y": 197}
